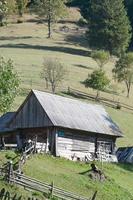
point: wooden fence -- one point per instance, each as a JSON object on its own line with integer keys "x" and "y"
{"x": 26, "y": 154}
{"x": 16, "y": 177}
{"x": 45, "y": 188}
{"x": 106, "y": 101}
{"x": 50, "y": 190}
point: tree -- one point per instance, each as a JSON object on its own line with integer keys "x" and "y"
{"x": 97, "y": 80}
{"x": 21, "y": 6}
{"x": 3, "y": 11}
{"x": 123, "y": 71}
{"x": 9, "y": 83}
{"x": 53, "y": 72}
{"x": 101, "y": 57}
{"x": 129, "y": 6}
{"x": 52, "y": 10}
{"x": 109, "y": 26}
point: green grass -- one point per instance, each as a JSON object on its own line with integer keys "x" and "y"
{"x": 125, "y": 122}
{"x": 5, "y": 156}
{"x": 68, "y": 175}
{"x": 27, "y": 44}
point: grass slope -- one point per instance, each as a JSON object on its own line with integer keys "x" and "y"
{"x": 71, "y": 176}
{"x": 27, "y": 44}
{"x": 5, "y": 156}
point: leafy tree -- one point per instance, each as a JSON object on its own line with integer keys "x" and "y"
{"x": 21, "y": 6}
{"x": 123, "y": 71}
{"x": 53, "y": 72}
{"x": 52, "y": 10}
{"x": 109, "y": 26}
{"x": 3, "y": 11}
{"x": 97, "y": 80}
{"x": 101, "y": 57}
{"x": 9, "y": 83}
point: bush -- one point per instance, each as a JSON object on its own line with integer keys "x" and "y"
{"x": 81, "y": 22}
{"x": 118, "y": 106}
{"x": 10, "y": 155}
{"x": 19, "y": 21}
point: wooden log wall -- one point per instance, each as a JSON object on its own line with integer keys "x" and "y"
{"x": 76, "y": 146}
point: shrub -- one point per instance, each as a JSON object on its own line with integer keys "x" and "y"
{"x": 81, "y": 22}
{"x": 10, "y": 155}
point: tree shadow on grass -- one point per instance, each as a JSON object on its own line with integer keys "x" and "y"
{"x": 77, "y": 39}
{"x": 68, "y": 50}
{"x": 15, "y": 37}
{"x": 125, "y": 166}
{"x": 84, "y": 66}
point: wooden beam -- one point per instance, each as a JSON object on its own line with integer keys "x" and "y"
{"x": 56, "y": 143}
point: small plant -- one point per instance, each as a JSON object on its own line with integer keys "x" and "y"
{"x": 10, "y": 155}
{"x": 3, "y": 11}
{"x": 19, "y": 21}
{"x": 54, "y": 198}
{"x": 118, "y": 106}
{"x": 81, "y": 22}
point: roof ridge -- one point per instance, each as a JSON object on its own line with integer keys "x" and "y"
{"x": 68, "y": 98}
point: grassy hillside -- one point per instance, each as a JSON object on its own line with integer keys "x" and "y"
{"x": 71, "y": 176}
{"x": 5, "y": 156}
{"x": 27, "y": 44}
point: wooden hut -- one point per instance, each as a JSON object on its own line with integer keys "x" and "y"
{"x": 65, "y": 127}
{"x": 125, "y": 154}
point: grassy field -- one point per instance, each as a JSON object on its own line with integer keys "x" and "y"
{"x": 72, "y": 176}
{"x": 27, "y": 44}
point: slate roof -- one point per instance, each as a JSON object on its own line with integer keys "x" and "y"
{"x": 74, "y": 114}
{"x": 4, "y": 120}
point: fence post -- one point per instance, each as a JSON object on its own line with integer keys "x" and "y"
{"x": 2, "y": 193}
{"x": 35, "y": 144}
{"x": 68, "y": 90}
{"x": 94, "y": 196}
{"x": 52, "y": 190}
{"x": 10, "y": 170}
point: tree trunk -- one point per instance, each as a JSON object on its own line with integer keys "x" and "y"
{"x": 97, "y": 96}
{"x": 1, "y": 20}
{"x": 53, "y": 88}
{"x": 20, "y": 14}
{"x": 46, "y": 83}
{"x": 49, "y": 27}
{"x": 128, "y": 85}
{"x": 128, "y": 92}
{"x": 49, "y": 21}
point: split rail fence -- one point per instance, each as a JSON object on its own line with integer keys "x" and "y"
{"x": 49, "y": 190}
{"x": 106, "y": 101}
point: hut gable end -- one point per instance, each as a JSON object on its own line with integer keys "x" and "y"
{"x": 31, "y": 114}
